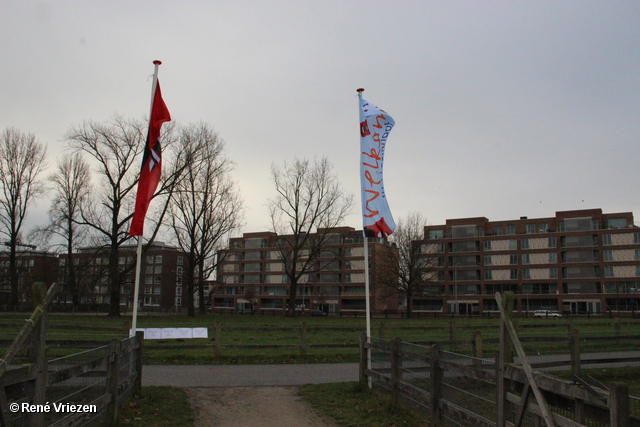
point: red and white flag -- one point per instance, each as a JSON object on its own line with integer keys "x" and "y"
{"x": 151, "y": 163}
{"x": 375, "y": 125}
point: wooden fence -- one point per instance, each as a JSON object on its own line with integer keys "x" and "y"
{"x": 69, "y": 391}
{"x": 461, "y": 390}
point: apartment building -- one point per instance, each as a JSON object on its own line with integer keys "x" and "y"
{"x": 161, "y": 283}
{"x": 251, "y": 275}
{"x": 577, "y": 262}
{"x": 32, "y": 266}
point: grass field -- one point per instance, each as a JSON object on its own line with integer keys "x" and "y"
{"x": 267, "y": 339}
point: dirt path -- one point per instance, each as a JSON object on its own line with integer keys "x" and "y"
{"x": 252, "y": 406}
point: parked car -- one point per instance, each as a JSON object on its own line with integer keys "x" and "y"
{"x": 317, "y": 313}
{"x": 546, "y": 313}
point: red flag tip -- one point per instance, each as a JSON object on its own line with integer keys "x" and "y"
{"x": 360, "y": 90}
{"x": 156, "y": 62}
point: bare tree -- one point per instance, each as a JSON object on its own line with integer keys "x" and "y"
{"x": 206, "y": 207}
{"x": 409, "y": 270}
{"x": 71, "y": 186}
{"x": 116, "y": 146}
{"x": 22, "y": 159}
{"x": 308, "y": 205}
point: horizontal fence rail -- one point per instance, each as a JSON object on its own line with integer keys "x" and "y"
{"x": 460, "y": 390}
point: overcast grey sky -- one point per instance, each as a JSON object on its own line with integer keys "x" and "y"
{"x": 503, "y": 108}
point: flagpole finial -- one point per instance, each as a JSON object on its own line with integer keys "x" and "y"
{"x": 156, "y": 62}
{"x": 360, "y": 90}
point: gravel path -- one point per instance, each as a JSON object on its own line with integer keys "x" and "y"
{"x": 252, "y": 406}
{"x": 250, "y": 395}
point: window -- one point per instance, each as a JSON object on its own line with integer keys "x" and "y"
{"x": 514, "y": 274}
{"x": 531, "y": 228}
{"x": 251, "y": 279}
{"x": 254, "y": 243}
{"x": 252, "y": 256}
{"x": 498, "y": 230}
{"x": 461, "y": 231}
{"x": 252, "y": 266}
{"x": 158, "y": 259}
{"x": 487, "y": 260}
{"x": 578, "y": 241}
{"x": 525, "y": 243}
{"x": 510, "y": 230}
{"x": 180, "y": 260}
{"x": 513, "y": 259}
{"x": 329, "y": 278}
{"x": 553, "y": 242}
{"x": 157, "y": 269}
{"x": 526, "y": 273}
{"x": 435, "y": 234}
{"x": 543, "y": 227}
{"x": 617, "y": 223}
{"x": 157, "y": 289}
{"x": 178, "y": 290}
{"x": 525, "y": 259}
{"x": 470, "y": 246}
{"x": 578, "y": 224}
{"x": 157, "y": 280}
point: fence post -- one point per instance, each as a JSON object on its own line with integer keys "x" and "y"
{"x": 436, "y": 386}
{"x": 303, "y": 339}
{"x": 477, "y": 349}
{"x": 381, "y": 330}
{"x": 505, "y": 355}
{"x": 36, "y": 354}
{"x": 112, "y": 381}
{"x": 138, "y": 355}
{"x": 619, "y": 406}
{"x": 363, "y": 361}
{"x": 574, "y": 348}
{"x": 452, "y": 335}
{"x": 217, "y": 338}
{"x": 396, "y": 369}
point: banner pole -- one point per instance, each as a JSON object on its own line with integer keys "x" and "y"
{"x": 366, "y": 278}
{"x": 367, "y": 304}
{"x": 136, "y": 286}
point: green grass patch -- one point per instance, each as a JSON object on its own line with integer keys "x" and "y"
{"x": 351, "y": 405}
{"x": 157, "y": 407}
{"x": 254, "y": 338}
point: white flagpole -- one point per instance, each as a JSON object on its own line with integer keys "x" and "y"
{"x": 136, "y": 286}
{"x": 366, "y": 277}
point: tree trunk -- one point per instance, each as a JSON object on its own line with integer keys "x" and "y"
{"x": 293, "y": 290}
{"x": 114, "y": 283}
{"x": 201, "y": 300}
